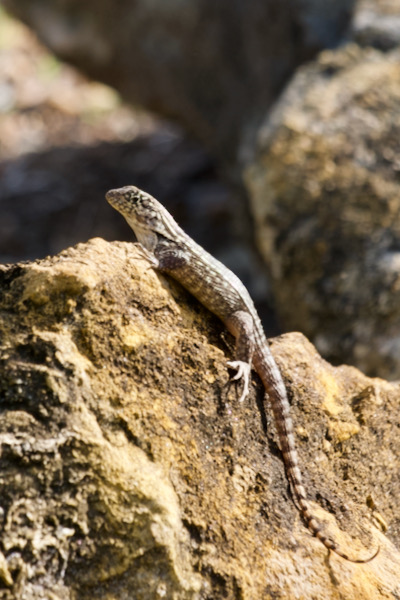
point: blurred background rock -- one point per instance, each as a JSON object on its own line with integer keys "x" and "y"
{"x": 243, "y": 143}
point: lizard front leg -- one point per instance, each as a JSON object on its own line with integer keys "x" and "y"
{"x": 147, "y": 255}
{"x": 171, "y": 258}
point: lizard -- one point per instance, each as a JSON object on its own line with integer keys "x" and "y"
{"x": 170, "y": 250}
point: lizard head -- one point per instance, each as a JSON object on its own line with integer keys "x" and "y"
{"x": 138, "y": 208}
{"x": 147, "y": 217}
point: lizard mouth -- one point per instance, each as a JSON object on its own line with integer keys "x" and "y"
{"x": 114, "y": 198}
{"x": 125, "y": 199}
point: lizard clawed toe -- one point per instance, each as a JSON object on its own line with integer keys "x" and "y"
{"x": 243, "y": 372}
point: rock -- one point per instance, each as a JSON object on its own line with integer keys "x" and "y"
{"x": 326, "y": 197}
{"x": 377, "y": 23}
{"x": 219, "y": 87}
{"x": 128, "y": 466}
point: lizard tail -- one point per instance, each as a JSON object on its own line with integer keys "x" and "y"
{"x": 315, "y": 527}
{"x": 280, "y": 405}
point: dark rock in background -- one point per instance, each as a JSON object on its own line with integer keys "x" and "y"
{"x": 377, "y": 23}
{"x": 214, "y": 67}
{"x": 325, "y": 189}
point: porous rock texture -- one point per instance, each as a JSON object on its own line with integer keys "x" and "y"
{"x": 129, "y": 470}
{"x": 325, "y": 190}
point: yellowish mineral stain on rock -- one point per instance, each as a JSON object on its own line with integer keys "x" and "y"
{"x": 331, "y": 403}
{"x": 5, "y": 574}
{"x": 136, "y": 334}
{"x": 340, "y": 431}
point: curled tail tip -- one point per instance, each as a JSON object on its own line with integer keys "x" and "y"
{"x": 333, "y": 547}
{"x": 364, "y": 560}
{"x": 329, "y": 543}
{"x": 356, "y": 560}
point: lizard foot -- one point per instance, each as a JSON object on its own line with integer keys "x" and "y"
{"x": 243, "y": 372}
{"x": 147, "y": 255}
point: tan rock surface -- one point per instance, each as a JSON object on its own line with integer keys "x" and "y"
{"x": 128, "y": 469}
